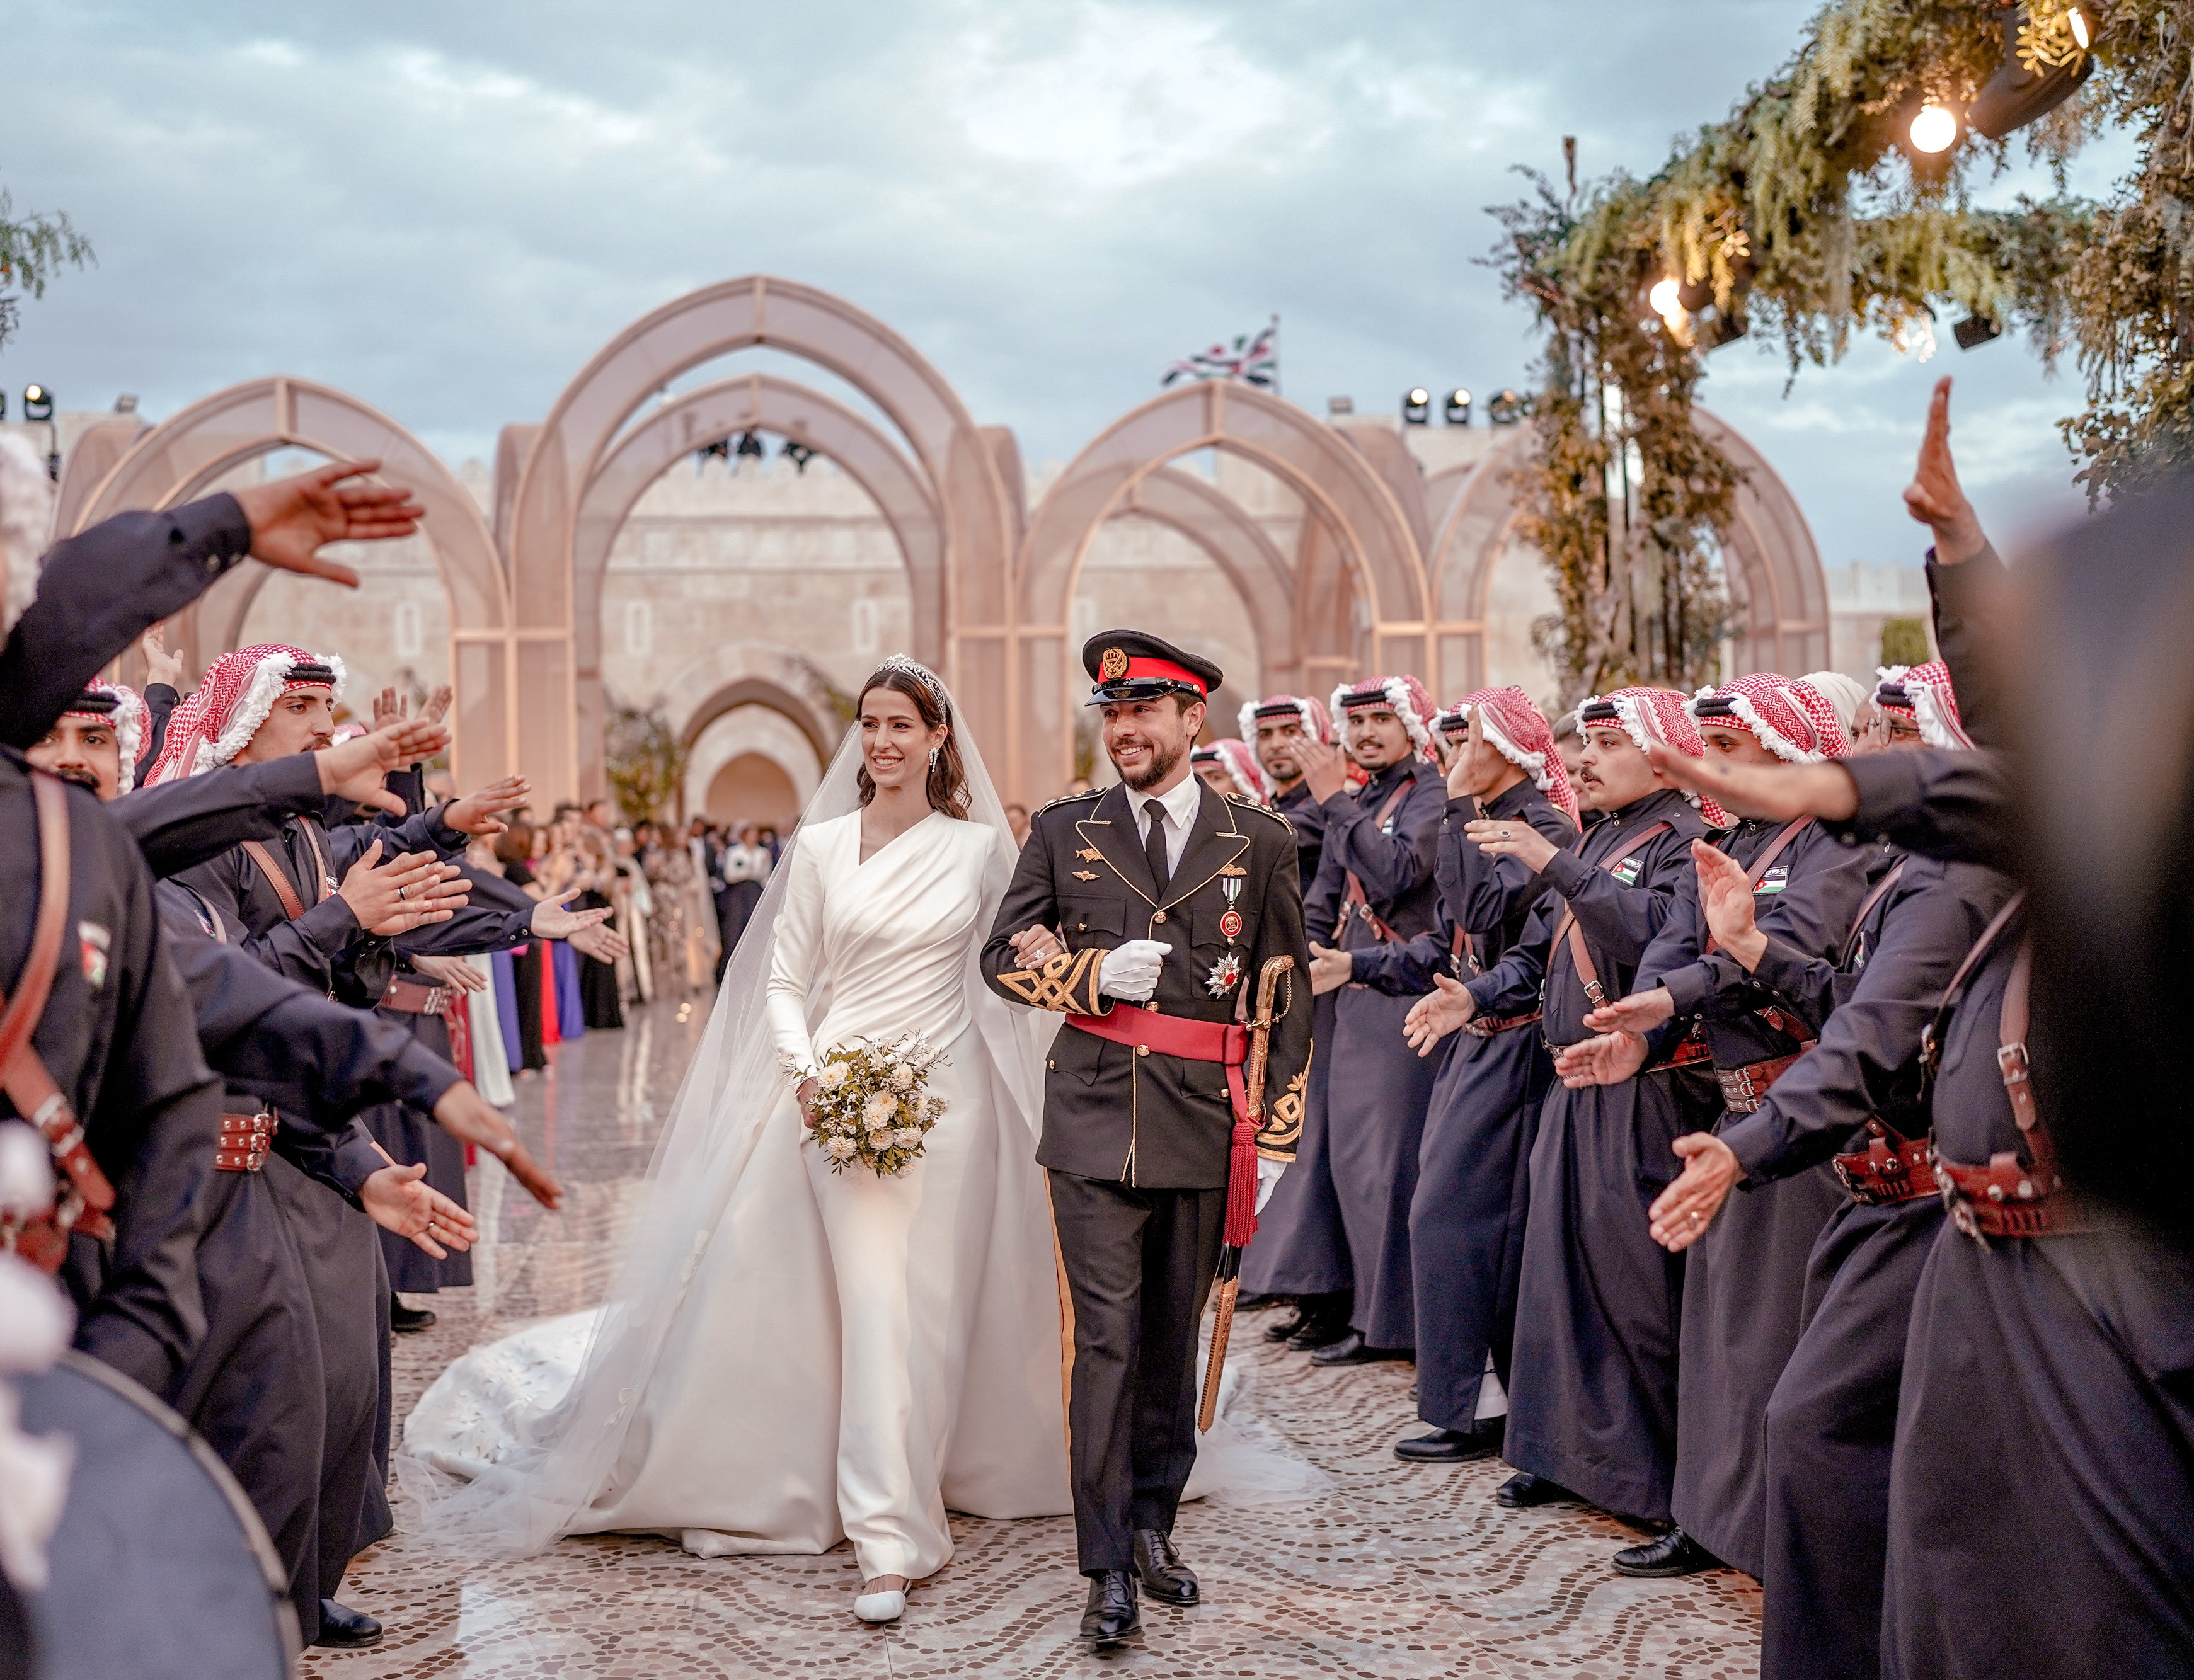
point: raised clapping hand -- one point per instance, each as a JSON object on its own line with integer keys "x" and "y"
{"x": 1324, "y": 769}
{"x": 551, "y": 921}
{"x": 1681, "y": 1214}
{"x": 1510, "y": 839}
{"x": 1432, "y": 1017}
{"x": 470, "y": 1118}
{"x": 479, "y": 813}
{"x": 1329, "y": 969}
{"x": 354, "y": 769}
{"x": 1608, "y": 1059}
{"x": 1777, "y": 793}
{"x": 1934, "y": 497}
{"x": 409, "y": 890}
{"x": 396, "y": 1199}
{"x": 160, "y": 665}
{"x": 1726, "y": 891}
{"x": 292, "y": 519}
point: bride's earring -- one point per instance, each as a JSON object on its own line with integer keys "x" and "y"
{"x": 934, "y": 751}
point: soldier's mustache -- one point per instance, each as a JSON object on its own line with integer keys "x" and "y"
{"x": 81, "y": 777}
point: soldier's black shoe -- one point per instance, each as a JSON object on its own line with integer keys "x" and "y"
{"x": 1320, "y": 1320}
{"x": 1289, "y": 1326}
{"x": 1454, "y": 1445}
{"x": 343, "y": 1629}
{"x": 403, "y": 1320}
{"x": 1353, "y": 1350}
{"x": 1523, "y": 1490}
{"x": 1163, "y": 1575}
{"x": 1675, "y": 1553}
{"x": 1112, "y": 1616}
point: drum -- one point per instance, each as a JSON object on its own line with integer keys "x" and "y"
{"x": 161, "y": 1569}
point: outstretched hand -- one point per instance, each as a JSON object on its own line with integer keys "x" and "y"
{"x": 1432, "y": 1017}
{"x": 1777, "y": 793}
{"x": 551, "y": 921}
{"x": 1681, "y": 1214}
{"x": 481, "y": 812}
{"x": 1640, "y": 1012}
{"x": 397, "y": 1199}
{"x": 1607, "y": 1060}
{"x": 1726, "y": 891}
{"x": 293, "y": 519}
{"x": 160, "y": 665}
{"x": 1934, "y": 497}
{"x": 470, "y": 1117}
{"x": 1329, "y": 969}
{"x": 353, "y": 769}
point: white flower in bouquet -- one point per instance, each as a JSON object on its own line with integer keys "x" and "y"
{"x": 840, "y": 1149}
{"x": 881, "y": 1107}
{"x": 907, "y": 1137}
{"x": 903, "y": 1077}
{"x": 834, "y": 1076}
{"x": 880, "y": 1141}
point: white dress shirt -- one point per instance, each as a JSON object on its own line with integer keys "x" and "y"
{"x": 1180, "y": 805}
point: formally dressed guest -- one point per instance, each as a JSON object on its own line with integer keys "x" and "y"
{"x": 1375, "y": 887}
{"x": 634, "y": 902}
{"x": 1744, "y": 1282}
{"x": 1302, "y": 1252}
{"x": 513, "y": 850}
{"x": 743, "y": 867}
{"x": 597, "y": 878}
{"x": 1592, "y": 1403}
{"x": 1467, "y": 1218}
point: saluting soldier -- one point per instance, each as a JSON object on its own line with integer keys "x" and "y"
{"x": 1146, "y": 914}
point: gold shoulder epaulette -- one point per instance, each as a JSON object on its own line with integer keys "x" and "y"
{"x": 1069, "y": 799}
{"x": 1248, "y": 803}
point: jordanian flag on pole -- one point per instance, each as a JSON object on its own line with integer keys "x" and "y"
{"x": 1253, "y": 359}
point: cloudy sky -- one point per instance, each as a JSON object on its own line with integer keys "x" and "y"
{"x": 446, "y": 208}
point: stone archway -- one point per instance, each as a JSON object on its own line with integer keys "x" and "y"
{"x": 541, "y": 525}
{"x": 178, "y": 459}
{"x": 700, "y": 417}
{"x": 1778, "y": 593}
{"x": 756, "y": 726}
{"x": 1343, "y": 494}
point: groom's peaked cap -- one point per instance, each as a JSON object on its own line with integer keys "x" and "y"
{"x": 1132, "y": 665}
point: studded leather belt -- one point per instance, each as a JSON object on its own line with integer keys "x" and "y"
{"x": 1744, "y": 1089}
{"x": 243, "y": 1141}
{"x": 1889, "y": 1170}
{"x": 415, "y": 997}
{"x": 2008, "y": 1198}
{"x": 1693, "y": 1052}
{"x": 1482, "y": 1027}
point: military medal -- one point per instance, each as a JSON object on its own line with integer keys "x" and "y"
{"x": 1226, "y": 975}
{"x": 1231, "y": 926}
{"x": 1226, "y": 972}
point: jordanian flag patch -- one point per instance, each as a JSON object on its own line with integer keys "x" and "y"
{"x": 1774, "y": 880}
{"x": 1626, "y": 870}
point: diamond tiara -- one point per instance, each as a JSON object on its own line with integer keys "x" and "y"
{"x": 928, "y": 679}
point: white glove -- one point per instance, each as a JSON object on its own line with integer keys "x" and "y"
{"x": 1268, "y": 1179}
{"x": 1130, "y": 971}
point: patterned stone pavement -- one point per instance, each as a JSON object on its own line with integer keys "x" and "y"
{"x": 1396, "y": 1570}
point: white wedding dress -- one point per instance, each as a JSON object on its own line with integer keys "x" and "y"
{"x": 791, "y": 1355}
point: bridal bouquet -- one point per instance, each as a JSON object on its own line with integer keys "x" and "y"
{"x": 872, "y": 1110}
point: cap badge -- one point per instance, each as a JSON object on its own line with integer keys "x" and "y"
{"x": 1113, "y": 665}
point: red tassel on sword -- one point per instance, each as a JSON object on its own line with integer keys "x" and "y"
{"x": 1242, "y": 1180}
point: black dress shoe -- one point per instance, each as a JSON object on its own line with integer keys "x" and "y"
{"x": 1353, "y": 1350}
{"x": 1289, "y": 1326}
{"x": 1113, "y": 1617}
{"x": 1163, "y": 1575}
{"x": 1675, "y": 1553}
{"x": 1452, "y": 1446}
{"x": 343, "y": 1629}
{"x": 403, "y": 1319}
{"x": 1523, "y": 1490}
{"x": 1318, "y": 1332}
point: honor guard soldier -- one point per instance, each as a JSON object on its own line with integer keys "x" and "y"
{"x": 1147, "y": 915}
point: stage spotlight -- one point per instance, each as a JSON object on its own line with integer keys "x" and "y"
{"x": 1934, "y": 131}
{"x": 2080, "y": 33}
{"x": 37, "y": 403}
{"x": 750, "y": 444}
{"x": 1974, "y": 331}
{"x": 1456, "y": 410}
{"x": 1416, "y": 406}
{"x": 1664, "y": 298}
{"x": 1507, "y": 408}
{"x": 2016, "y": 96}
{"x": 798, "y": 454}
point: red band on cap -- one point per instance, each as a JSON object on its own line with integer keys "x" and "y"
{"x": 1164, "y": 670}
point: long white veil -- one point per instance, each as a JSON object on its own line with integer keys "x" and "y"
{"x": 565, "y": 1456}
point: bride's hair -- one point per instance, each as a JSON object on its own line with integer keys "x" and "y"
{"x": 948, "y": 776}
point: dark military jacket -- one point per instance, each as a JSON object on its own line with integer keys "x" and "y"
{"x": 1150, "y": 1119}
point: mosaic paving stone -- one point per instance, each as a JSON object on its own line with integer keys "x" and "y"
{"x": 1396, "y": 1571}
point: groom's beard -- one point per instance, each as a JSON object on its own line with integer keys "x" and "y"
{"x": 1159, "y": 767}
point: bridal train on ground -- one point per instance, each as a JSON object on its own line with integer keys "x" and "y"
{"x": 792, "y": 1356}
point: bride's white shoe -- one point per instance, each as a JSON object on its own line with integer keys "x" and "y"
{"x": 881, "y": 1607}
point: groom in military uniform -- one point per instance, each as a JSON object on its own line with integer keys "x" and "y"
{"x": 1145, "y": 914}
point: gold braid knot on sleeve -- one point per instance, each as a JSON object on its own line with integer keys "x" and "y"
{"x": 1067, "y": 983}
{"x": 1283, "y": 1119}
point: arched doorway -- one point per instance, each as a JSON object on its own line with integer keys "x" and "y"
{"x": 540, "y": 535}
{"x": 1346, "y": 500}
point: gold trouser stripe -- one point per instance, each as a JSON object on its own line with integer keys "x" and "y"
{"x": 1065, "y": 1325}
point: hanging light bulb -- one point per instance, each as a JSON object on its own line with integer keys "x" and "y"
{"x": 1934, "y": 129}
{"x": 2078, "y": 20}
{"x": 1664, "y": 298}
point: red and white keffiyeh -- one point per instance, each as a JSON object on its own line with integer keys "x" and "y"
{"x": 1240, "y": 761}
{"x": 1786, "y": 715}
{"x": 1408, "y": 697}
{"x": 1315, "y": 723}
{"x": 126, "y": 717}
{"x": 225, "y": 711}
{"x": 1520, "y": 732}
{"x": 1649, "y": 715}
{"x": 1922, "y": 694}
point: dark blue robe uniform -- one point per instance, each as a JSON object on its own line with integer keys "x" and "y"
{"x": 1744, "y": 1278}
{"x": 1474, "y": 1184}
{"x": 1592, "y": 1406}
{"x": 1377, "y": 1087}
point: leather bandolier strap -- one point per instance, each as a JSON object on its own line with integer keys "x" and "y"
{"x": 1570, "y": 936}
{"x": 1355, "y": 901}
{"x": 1891, "y": 1167}
{"x": 278, "y": 877}
{"x": 85, "y": 1198}
{"x": 1743, "y": 1089}
{"x": 2005, "y": 1198}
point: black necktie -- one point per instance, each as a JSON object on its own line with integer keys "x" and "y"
{"x": 1154, "y": 847}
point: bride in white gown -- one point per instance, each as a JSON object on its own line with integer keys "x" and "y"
{"x": 793, "y": 1355}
